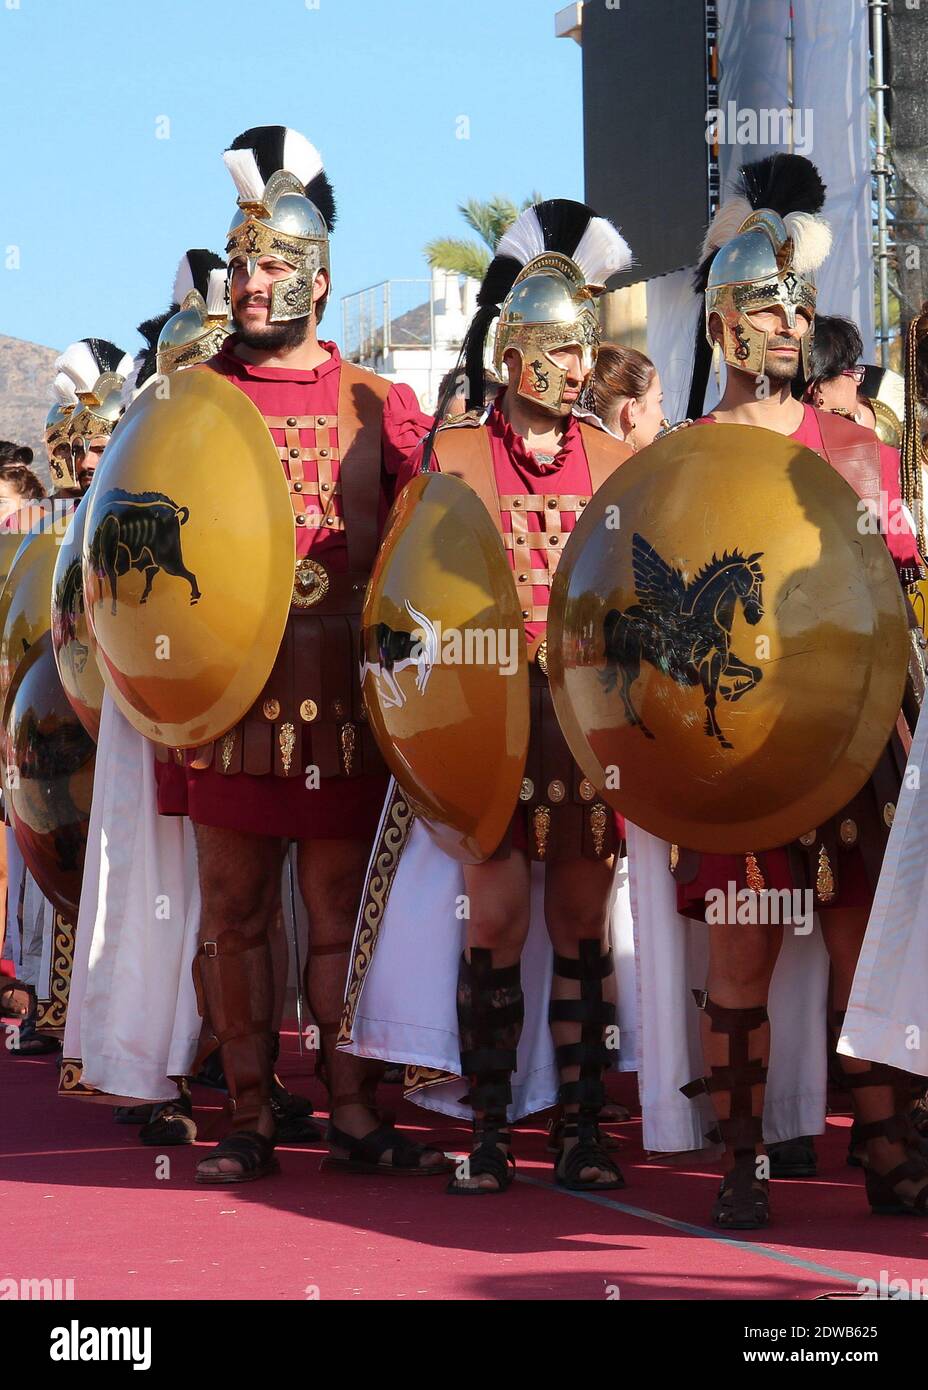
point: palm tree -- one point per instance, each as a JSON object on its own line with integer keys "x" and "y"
{"x": 490, "y": 220}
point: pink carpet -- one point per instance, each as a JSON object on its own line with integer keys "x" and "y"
{"x": 81, "y": 1199}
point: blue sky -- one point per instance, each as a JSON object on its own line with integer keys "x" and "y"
{"x": 101, "y": 209}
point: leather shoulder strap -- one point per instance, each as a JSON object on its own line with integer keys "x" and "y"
{"x": 464, "y": 451}
{"x": 604, "y": 453}
{"x": 854, "y": 452}
{"x": 361, "y": 399}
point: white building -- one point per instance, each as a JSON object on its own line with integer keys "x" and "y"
{"x": 410, "y": 330}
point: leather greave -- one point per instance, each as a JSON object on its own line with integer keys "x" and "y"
{"x": 491, "y": 1008}
{"x": 234, "y": 980}
{"x": 585, "y": 1019}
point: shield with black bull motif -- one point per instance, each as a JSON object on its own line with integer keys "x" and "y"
{"x": 727, "y": 641}
{"x": 443, "y": 664}
{"x": 188, "y": 559}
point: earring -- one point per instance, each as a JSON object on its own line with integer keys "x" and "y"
{"x": 717, "y": 363}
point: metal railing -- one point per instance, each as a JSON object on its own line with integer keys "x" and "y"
{"x": 395, "y": 314}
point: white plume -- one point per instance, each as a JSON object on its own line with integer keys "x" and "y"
{"x": 602, "y": 251}
{"x": 243, "y": 167}
{"x": 183, "y": 281}
{"x": 300, "y": 157}
{"x": 524, "y": 239}
{"x": 63, "y": 389}
{"x": 130, "y": 388}
{"x": 79, "y": 364}
{"x": 217, "y": 292}
{"x": 811, "y": 240}
{"x": 725, "y": 224}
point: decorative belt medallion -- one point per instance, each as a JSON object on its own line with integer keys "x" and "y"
{"x": 287, "y": 739}
{"x": 310, "y": 583}
{"x": 587, "y": 790}
{"x": 527, "y": 790}
{"x": 599, "y": 819}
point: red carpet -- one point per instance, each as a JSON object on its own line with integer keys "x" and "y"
{"x": 81, "y": 1200}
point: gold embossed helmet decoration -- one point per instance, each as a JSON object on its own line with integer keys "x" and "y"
{"x": 761, "y": 252}
{"x": 97, "y": 370}
{"x": 549, "y": 269}
{"x": 286, "y": 209}
{"x": 196, "y": 332}
{"x": 57, "y": 438}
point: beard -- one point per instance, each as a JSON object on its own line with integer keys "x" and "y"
{"x": 273, "y": 337}
{"x": 788, "y": 369}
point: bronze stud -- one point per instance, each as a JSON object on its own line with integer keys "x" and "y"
{"x": 848, "y": 832}
{"x": 323, "y": 453}
{"x": 291, "y": 421}
{"x": 301, "y": 521}
{"x": 321, "y": 419}
{"x": 297, "y": 487}
{"x": 294, "y": 453}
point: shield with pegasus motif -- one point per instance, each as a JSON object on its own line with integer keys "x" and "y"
{"x": 443, "y": 665}
{"x": 727, "y": 641}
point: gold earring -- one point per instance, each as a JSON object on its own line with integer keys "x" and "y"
{"x": 717, "y": 363}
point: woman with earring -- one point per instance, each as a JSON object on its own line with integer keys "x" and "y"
{"x": 627, "y": 394}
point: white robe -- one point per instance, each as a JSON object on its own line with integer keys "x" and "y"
{"x": 407, "y": 1010}
{"x": 132, "y": 1017}
{"x": 672, "y": 954}
{"x": 887, "y": 1016}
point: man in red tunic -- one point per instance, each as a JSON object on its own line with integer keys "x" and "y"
{"x": 760, "y": 303}
{"x": 535, "y": 465}
{"x": 301, "y": 764}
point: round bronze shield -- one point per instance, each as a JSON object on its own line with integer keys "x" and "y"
{"x": 71, "y": 636}
{"x": 444, "y": 670}
{"x": 48, "y": 778}
{"x": 727, "y": 641}
{"x": 25, "y": 606}
{"x": 188, "y": 559}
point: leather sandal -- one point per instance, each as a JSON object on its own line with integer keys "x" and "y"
{"x": 364, "y": 1155}
{"x": 743, "y": 1201}
{"x": 883, "y": 1189}
{"x": 171, "y": 1124}
{"x": 588, "y": 1152}
{"x": 254, "y": 1151}
{"x": 487, "y": 1160}
{"x": 10, "y": 987}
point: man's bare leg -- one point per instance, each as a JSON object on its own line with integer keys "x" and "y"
{"x": 240, "y": 890}
{"x": 875, "y": 1098}
{"x": 498, "y": 894}
{"x": 576, "y": 913}
{"x": 331, "y": 876}
{"x": 736, "y": 1041}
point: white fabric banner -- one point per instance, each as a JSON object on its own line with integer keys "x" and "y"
{"x": 831, "y": 102}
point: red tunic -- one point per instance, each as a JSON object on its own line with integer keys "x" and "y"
{"x": 520, "y": 473}
{"x": 339, "y": 808}
{"x": 717, "y": 871}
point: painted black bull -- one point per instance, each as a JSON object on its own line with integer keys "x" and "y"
{"x": 140, "y": 531}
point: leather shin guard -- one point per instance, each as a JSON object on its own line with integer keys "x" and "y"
{"x": 742, "y": 1130}
{"x": 234, "y": 982}
{"x": 491, "y": 1008}
{"x": 589, "y": 1015}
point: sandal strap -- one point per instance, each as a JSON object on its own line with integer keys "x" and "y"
{"x": 594, "y": 1014}
{"x": 372, "y": 1147}
{"x": 586, "y": 1153}
{"x": 751, "y": 1073}
{"x": 486, "y": 1160}
{"x": 741, "y": 1133}
{"x": 894, "y": 1129}
{"x": 246, "y": 1146}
